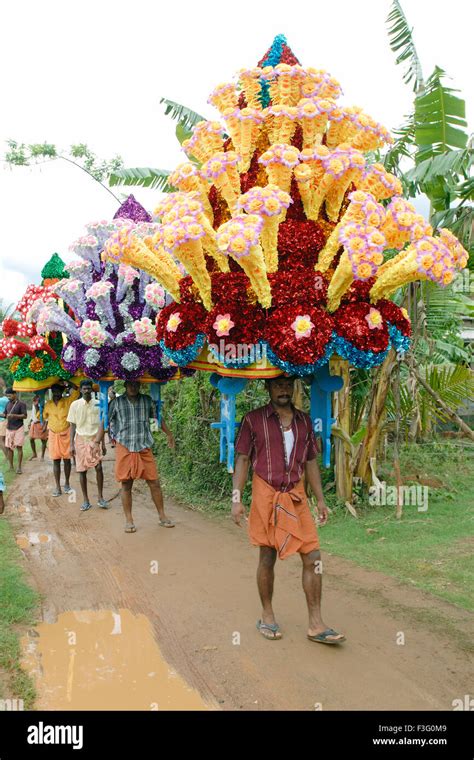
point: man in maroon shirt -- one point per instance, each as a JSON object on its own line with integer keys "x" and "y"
{"x": 278, "y": 440}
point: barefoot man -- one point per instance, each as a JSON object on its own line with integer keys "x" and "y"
{"x": 55, "y": 414}
{"x": 130, "y": 416}
{"x": 15, "y": 413}
{"x": 84, "y": 418}
{"x": 278, "y": 440}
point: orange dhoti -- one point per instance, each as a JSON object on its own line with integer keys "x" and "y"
{"x": 134, "y": 465}
{"x": 37, "y": 433}
{"x": 86, "y": 454}
{"x": 59, "y": 444}
{"x": 281, "y": 519}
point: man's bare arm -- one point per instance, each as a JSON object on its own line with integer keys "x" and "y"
{"x": 239, "y": 480}
{"x": 313, "y": 477}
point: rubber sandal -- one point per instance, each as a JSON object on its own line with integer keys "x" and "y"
{"x": 130, "y": 528}
{"x": 273, "y": 627}
{"x": 167, "y": 523}
{"x": 87, "y": 505}
{"x": 322, "y": 638}
{"x": 103, "y": 504}
{"x": 68, "y": 489}
{"x": 56, "y": 492}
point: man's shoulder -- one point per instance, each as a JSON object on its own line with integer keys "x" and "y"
{"x": 255, "y": 415}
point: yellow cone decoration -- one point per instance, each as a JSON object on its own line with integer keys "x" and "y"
{"x": 271, "y": 204}
{"x": 239, "y": 238}
{"x": 279, "y": 162}
{"x": 363, "y": 246}
{"x": 182, "y": 237}
{"x": 125, "y": 247}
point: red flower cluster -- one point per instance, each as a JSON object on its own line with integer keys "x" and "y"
{"x": 299, "y": 243}
{"x": 358, "y": 291}
{"x": 350, "y": 323}
{"x": 192, "y": 318}
{"x": 282, "y": 338}
{"x": 230, "y": 287}
{"x": 306, "y": 287}
{"x": 393, "y": 314}
{"x": 249, "y": 323}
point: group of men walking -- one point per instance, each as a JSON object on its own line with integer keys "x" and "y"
{"x": 277, "y": 440}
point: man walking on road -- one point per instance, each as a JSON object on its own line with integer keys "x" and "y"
{"x": 55, "y": 414}
{"x": 129, "y": 417}
{"x": 15, "y": 413}
{"x": 84, "y": 419}
{"x": 37, "y": 431}
{"x": 278, "y": 440}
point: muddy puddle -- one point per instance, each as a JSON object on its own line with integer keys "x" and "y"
{"x": 103, "y": 660}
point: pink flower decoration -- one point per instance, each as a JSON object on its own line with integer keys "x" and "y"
{"x": 302, "y": 326}
{"x": 223, "y": 324}
{"x": 374, "y": 319}
{"x": 173, "y": 322}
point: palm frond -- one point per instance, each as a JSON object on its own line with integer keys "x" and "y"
{"x": 401, "y": 39}
{"x": 142, "y": 177}
{"x": 439, "y": 118}
{"x": 449, "y": 164}
{"x": 185, "y": 116}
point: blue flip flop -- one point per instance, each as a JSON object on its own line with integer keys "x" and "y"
{"x": 87, "y": 505}
{"x": 322, "y": 638}
{"x": 273, "y": 627}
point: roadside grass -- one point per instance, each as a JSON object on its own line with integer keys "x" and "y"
{"x": 18, "y": 605}
{"x": 433, "y": 549}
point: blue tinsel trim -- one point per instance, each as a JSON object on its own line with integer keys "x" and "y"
{"x": 400, "y": 342}
{"x": 183, "y": 356}
{"x": 299, "y": 369}
{"x": 273, "y": 59}
{"x": 361, "y": 359}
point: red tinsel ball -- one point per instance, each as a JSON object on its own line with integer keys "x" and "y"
{"x": 10, "y": 327}
{"x": 299, "y": 243}
{"x": 193, "y": 317}
{"x": 393, "y": 314}
{"x": 282, "y": 339}
{"x": 249, "y": 323}
{"x": 230, "y": 287}
{"x": 350, "y": 323}
{"x": 298, "y": 286}
{"x": 358, "y": 291}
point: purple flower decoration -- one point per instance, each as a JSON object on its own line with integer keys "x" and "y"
{"x": 132, "y": 209}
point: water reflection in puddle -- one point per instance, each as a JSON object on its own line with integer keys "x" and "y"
{"x": 103, "y": 660}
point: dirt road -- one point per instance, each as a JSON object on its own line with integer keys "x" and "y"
{"x": 186, "y": 598}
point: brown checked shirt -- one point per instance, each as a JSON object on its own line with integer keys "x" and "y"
{"x": 261, "y": 438}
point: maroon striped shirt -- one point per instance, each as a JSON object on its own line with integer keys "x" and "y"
{"x": 261, "y": 438}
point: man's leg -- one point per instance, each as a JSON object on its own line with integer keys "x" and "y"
{"x": 33, "y": 448}
{"x": 57, "y": 474}
{"x": 312, "y": 586}
{"x": 19, "y": 451}
{"x": 43, "y": 448}
{"x": 9, "y": 456}
{"x": 126, "y": 494}
{"x": 99, "y": 474}
{"x": 83, "y": 482}
{"x": 157, "y": 496}
{"x": 67, "y": 472}
{"x": 265, "y": 580}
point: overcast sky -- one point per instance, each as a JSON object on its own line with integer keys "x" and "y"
{"x": 94, "y": 72}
